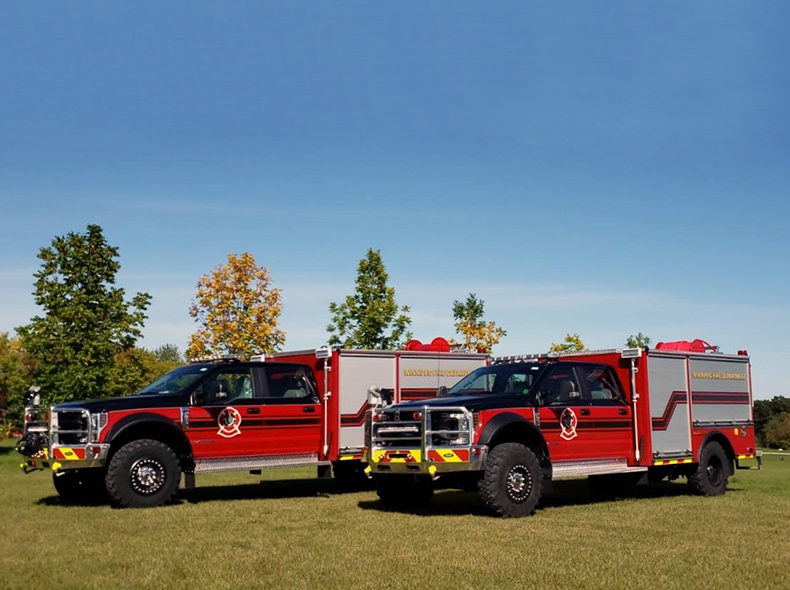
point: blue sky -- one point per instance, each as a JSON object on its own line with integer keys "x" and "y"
{"x": 602, "y": 168}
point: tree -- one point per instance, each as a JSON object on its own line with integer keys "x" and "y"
{"x": 638, "y": 341}
{"x": 478, "y": 334}
{"x": 86, "y": 319}
{"x": 16, "y": 369}
{"x": 777, "y": 431}
{"x": 237, "y": 309}
{"x": 168, "y": 353}
{"x": 572, "y": 343}
{"x": 765, "y": 410}
{"x": 370, "y": 318}
{"x": 137, "y": 367}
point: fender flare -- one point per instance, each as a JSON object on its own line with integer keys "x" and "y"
{"x": 125, "y": 424}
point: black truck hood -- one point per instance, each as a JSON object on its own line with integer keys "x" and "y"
{"x": 473, "y": 403}
{"x": 130, "y": 402}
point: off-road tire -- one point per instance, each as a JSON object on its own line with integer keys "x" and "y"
{"x": 143, "y": 473}
{"x": 511, "y": 484}
{"x": 80, "y": 486}
{"x": 404, "y": 492}
{"x": 712, "y": 473}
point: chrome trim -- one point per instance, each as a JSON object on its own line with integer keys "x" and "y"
{"x": 185, "y": 418}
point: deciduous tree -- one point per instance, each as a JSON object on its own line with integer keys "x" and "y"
{"x": 638, "y": 341}
{"x": 777, "y": 431}
{"x": 86, "y": 321}
{"x": 16, "y": 370}
{"x": 370, "y": 318}
{"x": 477, "y": 333}
{"x": 237, "y": 309}
{"x": 572, "y": 343}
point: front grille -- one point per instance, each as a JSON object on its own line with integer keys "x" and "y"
{"x": 433, "y": 427}
{"x": 71, "y": 427}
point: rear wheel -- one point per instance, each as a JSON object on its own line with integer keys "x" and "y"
{"x": 143, "y": 473}
{"x": 511, "y": 484}
{"x": 712, "y": 473}
{"x": 404, "y": 491}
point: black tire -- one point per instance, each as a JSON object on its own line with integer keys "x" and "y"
{"x": 511, "y": 484}
{"x": 404, "y": 492}
{"x": 712, "y": 473}
{"x": 143, "y": 473}
{"x": 80, "y": 486}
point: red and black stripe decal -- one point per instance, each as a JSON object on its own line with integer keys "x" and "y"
{"x": 357, "y": 419}
{"x": 720, "y": 397}
{"x": 268, "y": 422}
{"x": 676, "y": 399}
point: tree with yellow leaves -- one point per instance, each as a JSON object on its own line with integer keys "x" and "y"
{"x": 237, "y": 310}
{"x": 478, "y": 334}
{"x": 572, "y": 343}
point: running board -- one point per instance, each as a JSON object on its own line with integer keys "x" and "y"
{"x": 567, "y": 469}
{"x": 245, "y": 463}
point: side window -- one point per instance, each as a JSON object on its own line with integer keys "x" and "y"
{"x": 518, "y": 383}
{"x": 231, "y": 384}
{"x": 602, "y": 383}
{"x": 560, "y": 387}
{"x": 288, "y": 383}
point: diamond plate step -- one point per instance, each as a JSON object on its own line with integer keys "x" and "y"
{"x": 245, "y": 463}
{"x": 596, "y": 467}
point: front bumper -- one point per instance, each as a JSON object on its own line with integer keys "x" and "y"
{"x": 65, "y": 458}
{"x": 433, "y": 462}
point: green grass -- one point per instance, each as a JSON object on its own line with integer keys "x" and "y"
{"x": 293, "y": 531}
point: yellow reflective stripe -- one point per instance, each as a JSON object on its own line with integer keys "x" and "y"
{"x": 448, "y": 456}
{"x": 346, "y": 457}
{"x": 416, "y": 456}
{"x": 673, "y": 462}
{"x": 68, "y": 453}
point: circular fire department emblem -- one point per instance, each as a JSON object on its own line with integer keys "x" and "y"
{"x": 229, "y": 421}
{"x": 568, "y": 422}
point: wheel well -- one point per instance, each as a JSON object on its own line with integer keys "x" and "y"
{"x": 155, "y": 431}
{"x": 525, "y": 434}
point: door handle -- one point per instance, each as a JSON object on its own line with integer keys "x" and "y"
{"x": 253, "y": 410}
{"x": 584, "y": 412}
{"x": 623, "y": 412}
{"x": 308, "y": 410}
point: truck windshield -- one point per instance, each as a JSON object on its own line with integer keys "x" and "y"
{"x": 175, "y": 381}
{"x": 516, "y": 379}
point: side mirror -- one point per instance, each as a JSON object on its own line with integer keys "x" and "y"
{"x": 441, "y": 391}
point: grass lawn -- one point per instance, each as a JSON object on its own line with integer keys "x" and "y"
{"x": 292, "y": 531}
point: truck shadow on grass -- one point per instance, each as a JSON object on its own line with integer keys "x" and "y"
{"x": 270, "y": 489}
{"x": 565, "y": 494}
{"x": 264, "y": 490}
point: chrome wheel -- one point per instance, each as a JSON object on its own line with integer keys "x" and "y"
{"x": 147, "y": 476}
{"x": 519, "y": 483}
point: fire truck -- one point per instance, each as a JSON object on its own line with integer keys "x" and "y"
{"x": 618, "y": 417}
{"x": 290, "y": 409}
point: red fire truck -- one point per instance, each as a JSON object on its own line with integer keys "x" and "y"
{"x": 290, "y": 409}
{"x": 616, "y": 416}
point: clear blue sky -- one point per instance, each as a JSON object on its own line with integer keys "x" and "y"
{"x": 594, "y": 167}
